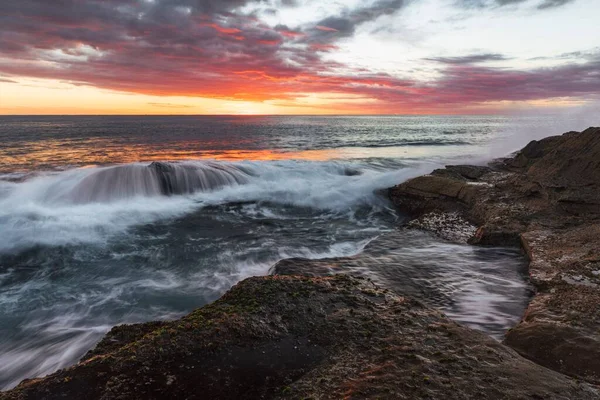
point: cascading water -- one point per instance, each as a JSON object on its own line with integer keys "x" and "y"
{"x": 90, "y": 205}
{"x": 142, "y": 180}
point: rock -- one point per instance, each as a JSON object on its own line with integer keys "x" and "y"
{"x": 546, "y": 199}
{"x": 298, "y": 337}
{"x": 434, "y": 186}
{"x": 463, "y": 172}
{"x": 451, "y": 227}
{"x": 535, "y": 150}
{"x": 431, "y": 193}
{"x": 572, "y": 163}
{"x": 120, "y": 336}
{"x": 559, "y": 347}
{"x": 447, "y": 173}
{"x": 563, "y": 320}
{"x": 565, "y": 168}
{"x": 491, "y": 235}
{"x": 569, "y": 170}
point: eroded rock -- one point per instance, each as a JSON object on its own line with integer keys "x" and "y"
{"x": 546, "y": 199}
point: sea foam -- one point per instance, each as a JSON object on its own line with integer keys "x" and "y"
{"x": 90, "y": 204}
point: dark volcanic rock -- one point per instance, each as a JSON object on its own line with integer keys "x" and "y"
{"x": 298, "y": 337}
{"x": 547, "y": 199}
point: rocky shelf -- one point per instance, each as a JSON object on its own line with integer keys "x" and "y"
{"x": 298, "y": 337}
{"x": 546, "y": 199}
{"x": 339, "y": 337}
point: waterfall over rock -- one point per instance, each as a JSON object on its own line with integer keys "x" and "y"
{"x": 157, "y": 178}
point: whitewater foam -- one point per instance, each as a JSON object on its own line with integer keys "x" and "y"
{"x": 89, "y": 205}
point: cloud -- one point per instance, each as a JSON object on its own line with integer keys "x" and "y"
{"x": 336, "y": 27}
{"x": 582, "y": 55}
{"x": 470, "y": 59}
{"x": 213, "y": 49}
{"x": 474, "y": 84}
{"x": 544, "y": 4}
{"x": 170, "y": 105}
{"x": 553, "y": 3}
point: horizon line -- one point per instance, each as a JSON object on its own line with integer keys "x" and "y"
{"x": 257, "y": 115}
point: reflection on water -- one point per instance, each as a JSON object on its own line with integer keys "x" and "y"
{"x": 51, "y": 154}
{"x": 102, "y": 152}
{"x": 34, "y": 143}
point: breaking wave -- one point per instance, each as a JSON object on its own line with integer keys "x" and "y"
{"x": 109, "y": 184}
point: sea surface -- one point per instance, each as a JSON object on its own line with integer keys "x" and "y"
{"x": 111, "y": 220}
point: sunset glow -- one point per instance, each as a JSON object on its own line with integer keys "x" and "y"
{"x": 286, "y": 57}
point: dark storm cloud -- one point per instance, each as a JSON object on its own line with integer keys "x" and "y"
{"x": 66, "y": 9}
{"x": 470, "y": 59}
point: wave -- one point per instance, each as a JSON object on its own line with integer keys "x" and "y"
{"x": 135, "y": 180}
{"x": 89, "y": 205}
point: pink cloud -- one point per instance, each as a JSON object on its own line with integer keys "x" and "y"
{"x": 325, "y": 28}
{"x": 205, "y": 54}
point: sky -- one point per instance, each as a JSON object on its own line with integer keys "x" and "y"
{"x": 297, "y": 57}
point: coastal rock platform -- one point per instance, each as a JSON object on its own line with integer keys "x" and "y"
{"x": 547, "y": 200}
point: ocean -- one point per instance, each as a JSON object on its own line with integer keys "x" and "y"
{"x": 109, "y": 220}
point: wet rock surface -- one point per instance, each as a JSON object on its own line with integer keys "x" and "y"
{"x": 547, "y": 200}
{"x": 484, "y": 288}
{"x": 296, "y": 337}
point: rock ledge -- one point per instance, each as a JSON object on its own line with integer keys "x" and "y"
{"x": 304, "y": 338}
{"x": 547, "y": 200}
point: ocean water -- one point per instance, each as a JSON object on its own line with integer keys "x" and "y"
{"x": 111, "y": 220}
